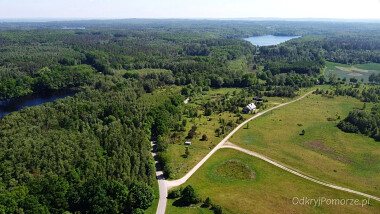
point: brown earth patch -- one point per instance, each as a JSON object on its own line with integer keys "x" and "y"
{"x": 369, "y": 159}
{"x": 342, "y": 68}
{"x": 360, "y": 70}
{"x": 355, "y": 74}
{"x": 342, "y": 159}
{"x": 319, "y": 146}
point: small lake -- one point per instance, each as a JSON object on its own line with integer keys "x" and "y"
{"x": 7, "y": 107}
{"x": 269, "y": 40}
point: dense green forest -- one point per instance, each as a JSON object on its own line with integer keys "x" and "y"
{"x": 91, "y": 153}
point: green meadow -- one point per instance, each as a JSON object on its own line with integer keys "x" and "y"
{"x": 260, "y": 188}
{"x": 324, "y": 151}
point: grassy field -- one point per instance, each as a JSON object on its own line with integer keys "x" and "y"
{"x": 271, "y": 190}
{"x": 324, "y": 152}
{"x": 207, "y": 125}
{"x": 360, "y": 71}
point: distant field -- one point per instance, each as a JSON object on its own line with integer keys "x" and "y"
{"x": 324, "y": 152}
{"x": 270, "y": 191}
{"x": 359, "y": 71}
{"x": 143, "y": 72}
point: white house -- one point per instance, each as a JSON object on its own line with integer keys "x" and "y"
{"x": 188, "y": 143}
{"x": 249, "y": 108}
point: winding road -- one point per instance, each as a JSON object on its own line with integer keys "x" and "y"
{"x": 225, "y": 144}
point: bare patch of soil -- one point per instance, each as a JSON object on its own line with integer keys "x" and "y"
{"x": 342, "y": 68}
{"x": 370, "y": 159}
{"x": 342, "y": 159}
{"x": 355, "y": 74}
{"x": 319, "y": 146}
{"x": 360, "y": 70}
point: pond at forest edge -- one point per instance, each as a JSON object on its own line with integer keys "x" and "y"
{"x": 7, "y": 107}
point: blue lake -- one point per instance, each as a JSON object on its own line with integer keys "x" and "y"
{"x": 7, "y": 107}
{"x": 269, "y": 40}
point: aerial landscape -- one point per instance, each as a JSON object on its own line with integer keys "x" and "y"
{"x": 189, "y": 107}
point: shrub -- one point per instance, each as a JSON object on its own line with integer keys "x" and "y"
{"x": 175, "y": 193}
{"x": 208, "y": 202}
{"x": 189, "y": 196}
{"x": 218, "y": 209}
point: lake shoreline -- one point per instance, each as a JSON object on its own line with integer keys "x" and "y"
{"x": 16, "y": 104}
{"x": 269, "y": 40}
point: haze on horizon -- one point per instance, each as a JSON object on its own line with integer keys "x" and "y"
{"x": 118, "y": 9}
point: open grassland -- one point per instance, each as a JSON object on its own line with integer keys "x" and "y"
{"x": 207, "y": 125}
{"x": 272, "y": 189}
{"x": 324, "y": 151}
{"x": 360, "y": 71}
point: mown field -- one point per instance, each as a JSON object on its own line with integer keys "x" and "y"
{"x": 324, "y": 151}
{"x": 260, "y": 188}
{"x": 359, "y": 71}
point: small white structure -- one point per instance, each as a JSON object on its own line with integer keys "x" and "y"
{"x": 249, "y": 108}
{"x": 188, "y": 143}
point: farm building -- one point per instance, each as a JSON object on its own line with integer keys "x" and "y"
{"x": 249, "y": 108}
{"x": 188, "y": 143}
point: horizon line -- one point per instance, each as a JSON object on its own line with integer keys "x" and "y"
{"x": 181, "y": 18}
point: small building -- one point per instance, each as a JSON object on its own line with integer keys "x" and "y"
{"x": 188, "y": 143}
{"x": 249, "y": 108}
{"x": 258, "y": 99}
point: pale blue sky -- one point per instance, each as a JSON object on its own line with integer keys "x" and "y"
{"x": 352, "y": 9}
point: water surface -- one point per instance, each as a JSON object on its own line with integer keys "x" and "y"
{"x": 7, "y": 107}
{"x": 269, "y": 40}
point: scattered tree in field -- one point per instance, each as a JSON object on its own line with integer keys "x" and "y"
{"x": 192, "y": 132}
{"x": 208, "y": 202}
{"x": 187, "y": 152}
{"x": 189, "y": 196}
{"x": 175, "y": 193}
{"x": 332, "y": 78}
{"x": 218, "y": 209}
{"x": 217, "y": 132}
{"x": 184, "y": 122}
{"x": 204, "y": 138}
